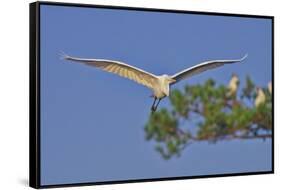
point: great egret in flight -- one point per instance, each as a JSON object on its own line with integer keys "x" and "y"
{"x": 159, "y": 84}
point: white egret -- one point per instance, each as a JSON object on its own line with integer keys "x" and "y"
{"x": 260, "y": 99}
{"x": 233, "y": 85}
{"x": 159, "y": 84}
{"x": 269, "y": 87}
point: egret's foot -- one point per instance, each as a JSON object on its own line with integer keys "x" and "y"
{"x": 153, "y": 109}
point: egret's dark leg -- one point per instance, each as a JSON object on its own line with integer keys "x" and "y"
{"x": 152, "y": 107}
{"x": 157, "y": 103}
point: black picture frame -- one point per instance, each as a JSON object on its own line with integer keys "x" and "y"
{"x": 34, "y": 93}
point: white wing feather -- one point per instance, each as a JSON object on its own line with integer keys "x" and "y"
{"x": 202, "y": 67}
{"x": 122, "y": 69}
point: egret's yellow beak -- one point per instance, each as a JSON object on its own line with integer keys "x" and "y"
{"x": 172, "y": 80}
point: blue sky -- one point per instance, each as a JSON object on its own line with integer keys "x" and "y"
{"x": 92, "y": 122}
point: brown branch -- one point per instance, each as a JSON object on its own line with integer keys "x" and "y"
{"x": 226, "y": 137}
{"x": 264, "y": 136}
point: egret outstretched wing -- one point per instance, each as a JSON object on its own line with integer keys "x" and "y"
{"x": 203, "y": 67}
{"x": 122, "y": 69}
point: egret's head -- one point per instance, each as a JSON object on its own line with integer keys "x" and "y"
{"x": 168, "y": 79}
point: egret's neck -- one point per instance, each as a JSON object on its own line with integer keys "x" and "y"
{"x": 165, "y": 85}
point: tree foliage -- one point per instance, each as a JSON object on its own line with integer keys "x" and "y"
{"x": 205, "y": 112}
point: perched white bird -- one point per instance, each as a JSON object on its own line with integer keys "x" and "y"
{"x": 160, "y": 85}
{"x": 233, "y": 85}
{"x": 260, "y": 99}
{"x": 269, "y": 87}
